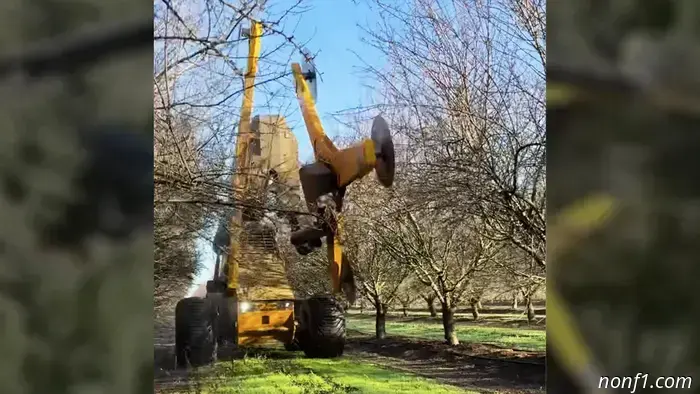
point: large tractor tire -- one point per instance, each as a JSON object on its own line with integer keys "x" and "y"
{"x": 323, "y": 333}
{"x": 226, "y": 326}
{"x": 195, "y": 332}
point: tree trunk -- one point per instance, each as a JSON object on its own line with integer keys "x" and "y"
{"x": 380, "y": 323}
{"x": 475, "y": 309}
{"x": 431, "y": 306}
{"x": 405, "y": 313}
{"x": 530, "y": 310}
{"x": 448, "y": 323}
{"x": 362, "y": 307}
{"x": 515, "y": 301}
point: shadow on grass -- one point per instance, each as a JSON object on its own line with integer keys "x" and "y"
{"x": 458, "y": 365}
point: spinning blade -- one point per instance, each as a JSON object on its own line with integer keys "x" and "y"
{"x": 384, "y": 150}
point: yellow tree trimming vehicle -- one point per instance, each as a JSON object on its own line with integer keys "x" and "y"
{"x": 250, "y": 300}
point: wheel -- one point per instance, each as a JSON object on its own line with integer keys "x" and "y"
{"x": 225, "y": 326}
{"x": 195, "y": 332}
{"x": 323, "y": 333}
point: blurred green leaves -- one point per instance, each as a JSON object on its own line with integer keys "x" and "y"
{"x": 74, "y": 320}
{"x": 573, "y": 224}
{"x": 630, "y": 133}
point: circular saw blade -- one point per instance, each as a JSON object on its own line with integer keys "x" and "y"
{"x": 384, "y": 150}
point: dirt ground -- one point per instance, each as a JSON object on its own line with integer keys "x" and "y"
{"x": 482, "y": 368}
{"x": 165, "y": 374}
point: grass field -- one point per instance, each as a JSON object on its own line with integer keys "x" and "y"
{"x": 282, "y": 372}
{"x": 467, "y": 331}
{"x": 277, "y": 371}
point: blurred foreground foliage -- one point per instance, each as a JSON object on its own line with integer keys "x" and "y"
{"x": 627, "y": 126}
{"x": 78, "y": 319}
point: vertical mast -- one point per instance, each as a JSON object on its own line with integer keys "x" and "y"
{"x": 239, "y": 179}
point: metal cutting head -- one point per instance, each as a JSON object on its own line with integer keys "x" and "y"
{"x": 384, "y": 150}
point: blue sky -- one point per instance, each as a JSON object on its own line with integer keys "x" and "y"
{"x": 331, "y": 29}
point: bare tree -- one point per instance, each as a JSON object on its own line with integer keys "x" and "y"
{"x": 464, "y": 86}
{"x": 378, "y": 274}
{"x": 481, "y": 283}
{"x": 364, "y": 203}
{"x": 175, "y": 226}
{"x": 429, "y": 297}
{"x": 528, "y": 292}
{"x": 408, "y": 293}
{"x": 522, "y": 278}
{"x": 442, "y": 255}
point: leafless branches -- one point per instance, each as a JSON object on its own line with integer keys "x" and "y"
{"x": 463, "y": 88}
{"x": 198, "y": 83}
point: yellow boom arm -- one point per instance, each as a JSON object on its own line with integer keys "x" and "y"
{"x": 348, "y": 165}
{"x": 242, "y": 140}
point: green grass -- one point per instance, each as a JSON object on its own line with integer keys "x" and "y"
{"x": 524, "y": 339}
{"x": 272, "y": 371}
{"x": 289, "y": 373}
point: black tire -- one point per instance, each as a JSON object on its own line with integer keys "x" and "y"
{"x": 195, "y": 332}
{"x": 225, "y": 325}
{"x": 323, "y": 334}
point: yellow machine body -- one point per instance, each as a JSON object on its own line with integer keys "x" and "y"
{"x": 348, "y": 164}
{"x": 250, "y": 300}
{"x": 265, "y": 147}
{"x": 261, "y": 285}
{"x": 255, "y": 273}
{"x": 267, "y": 322}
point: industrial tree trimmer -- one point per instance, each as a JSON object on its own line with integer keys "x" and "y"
{"x": 250, "y": 300}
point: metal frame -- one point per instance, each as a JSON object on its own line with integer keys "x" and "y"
{"x": 239, "y": 180}
{"x": 346, "y": 164}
